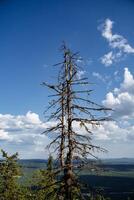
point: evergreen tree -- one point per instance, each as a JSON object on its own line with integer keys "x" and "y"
{"x": 44, "y": 183}
{"x": 9, "y": 173}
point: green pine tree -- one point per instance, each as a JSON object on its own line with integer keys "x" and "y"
{"x": 44, "y": 183}
{"x": 9, "y": 174}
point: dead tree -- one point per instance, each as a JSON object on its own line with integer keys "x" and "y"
{"x": 73, "y": 109}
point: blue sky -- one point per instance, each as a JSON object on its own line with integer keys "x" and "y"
{"x": 31, "y": 33}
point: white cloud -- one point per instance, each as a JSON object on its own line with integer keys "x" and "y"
{"x": 98, "y": 76}
{"x": 80, "y": 74}
{"x": 83, "y": 62}
{"x": 4, "y": 135}
{"x": 111, "y": 131}
{"x": 116, "y": 76}
{"x": 120, "y": 131}
{"x": 33, "y": 118}
{"x": 128, "y": 83}
{"x": 103, "y": 78}
{"x": 106, "y": 79}
{"x": 79, "y": 60}
{"x": 108, "y": 58}
{"x": 23, "y": 132}
{"x": 122, "y": 99}
{"x": 118, "y": 44}
{"x": 111, "y": 57}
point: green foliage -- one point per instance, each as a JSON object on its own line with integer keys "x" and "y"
{"x": 44, "y": 184}
{"x": 9, "y": 174}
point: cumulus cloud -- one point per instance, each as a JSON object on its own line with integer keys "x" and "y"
{"x": 4, "y": 135}
{"x": 23, "y": 132}
{"x": 118, "y": 44}
{"x": 128, "y": 83}
{"x": 121, "y": 130}
{"x": 111, "y": 131}
{"x": 122, "y": 99}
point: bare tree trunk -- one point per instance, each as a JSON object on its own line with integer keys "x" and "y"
{"x": 71, "y": 143}
{"x": 61, "y": 157}
{"x": 68, "y": 172}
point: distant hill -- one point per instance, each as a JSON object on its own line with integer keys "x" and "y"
{"x": 118, "y": 161}
{"x": 42, "y": 162}
{"x": 33, "y": 163}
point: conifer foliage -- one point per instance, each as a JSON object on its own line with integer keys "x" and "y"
{"x": 9, "y": 173}
{"x": 44, "y": 183}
